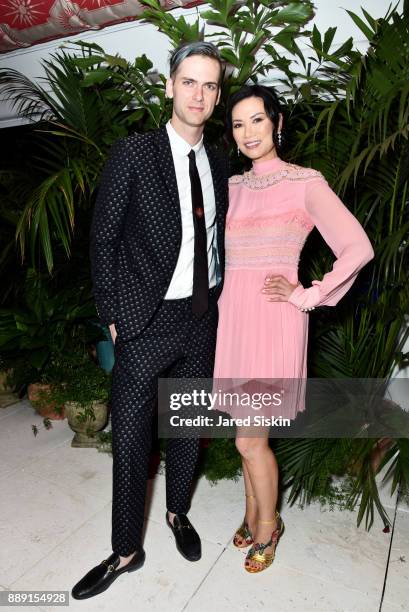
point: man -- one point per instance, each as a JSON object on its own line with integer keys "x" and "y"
{"x": 157, "y": 257}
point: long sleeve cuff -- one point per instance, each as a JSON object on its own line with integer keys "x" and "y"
{"x": 305, "y": 299}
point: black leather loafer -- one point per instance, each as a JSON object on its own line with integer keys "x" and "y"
{"x": 100, "y": 577}
{"x": 187, "y": 539}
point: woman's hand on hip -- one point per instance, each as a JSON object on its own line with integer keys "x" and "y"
{"x": 277, "y": 288}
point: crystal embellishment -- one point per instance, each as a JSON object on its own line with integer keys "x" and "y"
{"x": 291, "y": 172}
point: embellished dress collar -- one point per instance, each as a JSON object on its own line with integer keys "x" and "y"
{"x": 271, "y": 172}
{"x": 267, "y": 167}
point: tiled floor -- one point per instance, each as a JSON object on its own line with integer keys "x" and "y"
{"x": 55, "y": 515}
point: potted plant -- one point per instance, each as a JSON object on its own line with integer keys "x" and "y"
{"x": 40, "y": 392}
{"x": 7, "y": 391}
{"x": 36, "y": 336}
{"x": 84, "y": 395}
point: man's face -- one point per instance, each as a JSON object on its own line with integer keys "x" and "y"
{"x": 195, "y": 90}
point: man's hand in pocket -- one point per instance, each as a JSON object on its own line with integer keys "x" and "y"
{"x": 113, "y": 332}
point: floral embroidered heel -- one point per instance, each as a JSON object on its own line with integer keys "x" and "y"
{"x": 242, "y": 537}
{"x": 256, "y": 552}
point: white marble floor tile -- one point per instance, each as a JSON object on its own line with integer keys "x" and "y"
{"x": 19, "y": 446}
{"x": 36, "y": 515}
{"x": 81, "y": 469}
{"x": 56, "y": 515}
{"x": 85, "y": 545}
{"x": 166, "y": 581}
{"x": 6, "y": 468}
{"x": 397, "y": 584}
{"x": 216, "y": 510}
{"x": 389, "y": 607}
{"x": 229, "y": 588}
{"x": 320, "y": 543}
{"x": 328, "y": 544}
{"x": 9, "y": 410}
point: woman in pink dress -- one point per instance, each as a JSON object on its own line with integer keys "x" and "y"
{"x": 263, "y": 309}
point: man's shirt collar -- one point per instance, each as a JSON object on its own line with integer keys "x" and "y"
{"x": 179, "y": 144}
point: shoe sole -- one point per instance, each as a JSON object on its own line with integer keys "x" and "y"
{"x": 116, "y": 575}
{"x": 179, "y": 549}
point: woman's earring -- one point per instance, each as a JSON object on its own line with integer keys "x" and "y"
{"x": 279, "y": 138}
{"x": 238, "y": 150}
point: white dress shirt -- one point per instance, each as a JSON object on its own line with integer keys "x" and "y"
{"x": 181, "y": 285}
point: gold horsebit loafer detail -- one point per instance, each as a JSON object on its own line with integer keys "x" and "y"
{"x": 110, "y": 567}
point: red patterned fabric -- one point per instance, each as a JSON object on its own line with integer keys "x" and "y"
{"x": 26, "y": 22}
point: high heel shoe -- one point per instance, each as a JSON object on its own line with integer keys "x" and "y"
{"x": 244, "y": 533}
{"x": 256, "y": 552}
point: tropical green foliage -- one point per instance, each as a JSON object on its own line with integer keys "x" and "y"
{"x": 88, "y": 103}
{"x": 242, "y": 30}
{"x": 45, "y": 324}
{"x": 84, "y": 382}
{"x": 359, "y": 139}
{"x": 91, "y": 100}
{"x": 308, "y": 468}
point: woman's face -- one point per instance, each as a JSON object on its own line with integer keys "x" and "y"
{"x": 253, "y": 129}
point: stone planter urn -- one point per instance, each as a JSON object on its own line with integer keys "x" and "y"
{"x": 86, "y": 429}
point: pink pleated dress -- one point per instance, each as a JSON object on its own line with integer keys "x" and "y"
{"x": 272, "y": 209}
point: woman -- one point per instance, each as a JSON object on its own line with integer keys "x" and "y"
{"x": 263, "y": 310}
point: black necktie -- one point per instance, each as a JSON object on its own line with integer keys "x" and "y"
{"x": 200, "y": 266}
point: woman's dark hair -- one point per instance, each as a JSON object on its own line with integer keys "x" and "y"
{"x": 272, "y": 107}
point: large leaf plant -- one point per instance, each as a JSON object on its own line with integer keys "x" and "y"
{"x": 359, "y": 139}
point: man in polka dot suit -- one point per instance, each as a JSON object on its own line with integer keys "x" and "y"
{"x": 143, "y": 245}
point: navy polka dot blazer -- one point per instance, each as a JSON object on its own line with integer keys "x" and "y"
{"x": 136, "y": 229}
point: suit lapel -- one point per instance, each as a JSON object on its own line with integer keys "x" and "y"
{"x": 166, "y": 166}
{"x": 217, "y": 181}
{"x": 220, "y": 195}
{"x": 167, "y": 169}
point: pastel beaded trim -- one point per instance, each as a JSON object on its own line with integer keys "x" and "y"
{"x": 264, "y": 224}
{"x": 291, "y": 172}
{"x": 265, "y": 242}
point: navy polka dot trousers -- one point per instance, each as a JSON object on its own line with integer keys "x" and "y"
{"x": 178, "y": 343}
